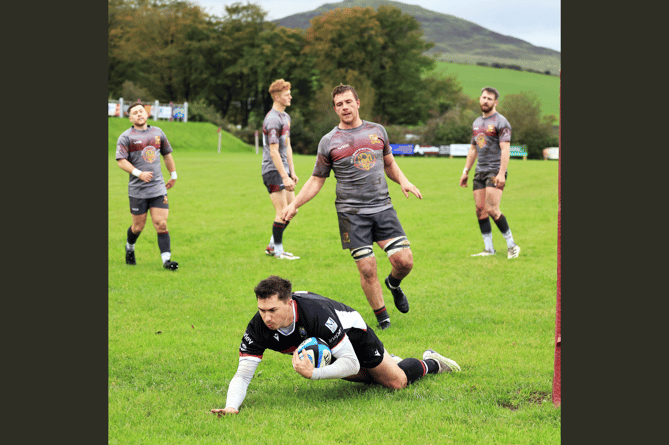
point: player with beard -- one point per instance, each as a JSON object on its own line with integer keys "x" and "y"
{"x": 359, "y": 154}
{"x": 138, "y": 151}
{"x": 286, "y": 318}
{"x": 491, "y": 145}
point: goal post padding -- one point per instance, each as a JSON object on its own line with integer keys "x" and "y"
{"x": 557, "y": 371}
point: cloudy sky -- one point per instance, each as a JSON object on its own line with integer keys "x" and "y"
{"x": 536, "y": 22}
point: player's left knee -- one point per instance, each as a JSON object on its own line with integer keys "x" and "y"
{"x": 161, "y": 226}
{"x": 396, "y": 245}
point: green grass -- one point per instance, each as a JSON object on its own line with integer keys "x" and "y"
{"x": 174, "y": 336}
{"x": 473, "y": 77}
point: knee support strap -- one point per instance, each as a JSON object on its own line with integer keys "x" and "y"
{"x": 397, "y": 244}
{"x": 362, "y": 252}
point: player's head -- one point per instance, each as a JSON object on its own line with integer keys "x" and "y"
{"x": 489, "y": 99}
{"x": 274, "y": 285}
{"x": 341, "y": 89}
{"x": 135, "y": 104}
{"x": 280, "y": 91}
{"x": 137, "y": 114}
{"x": 491, "y": 90}
{"x": 347, "y": 106}
{"x": 274, "y": 302}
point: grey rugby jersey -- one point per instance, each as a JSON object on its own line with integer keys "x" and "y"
{"x": 143, "y": 148}
{"x": 275, "y": 130}
{"x": 356, "y": 157}
{"x": 487, "y": 133}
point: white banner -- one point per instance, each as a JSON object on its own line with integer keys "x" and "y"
{"x": 460, "y": 149}
{"x": 111, "y": 109}
{"x": 164, "y": 112}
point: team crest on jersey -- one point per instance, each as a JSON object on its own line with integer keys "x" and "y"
{"x": 149, "y": 154}
{"x": 331, "y": 324}
{"x": 374, "y": 138}
{"x": 491, "y": 128}
{"x": 480, "y": 140}
{"x": 158, "y": 141}
{"x": 303, "y": 332}
{"x": 364, "y": 159}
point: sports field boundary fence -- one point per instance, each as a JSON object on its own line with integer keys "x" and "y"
{"x": 168, "y": 111}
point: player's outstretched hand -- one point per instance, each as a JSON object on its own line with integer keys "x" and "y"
{"x": 409, "y": 187}
{"x": 223, "y": 412}
{"x": 302, "y": 366}
{"x": 288, "y": 213}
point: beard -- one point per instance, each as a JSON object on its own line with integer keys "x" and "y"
{"x": 486, "y": 108}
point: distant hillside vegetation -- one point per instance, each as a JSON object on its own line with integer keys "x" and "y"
{"x": 455, "y": 39}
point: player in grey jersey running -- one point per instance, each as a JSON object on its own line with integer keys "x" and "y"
{"x": 491, "y": 144}
{"x": 358, "y": 152}
{"x": 138, "y": 152}
{"x": 285, "y": 318}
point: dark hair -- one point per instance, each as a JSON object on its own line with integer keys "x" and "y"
{"x": 491, "y": 90}
{"x": 341, "y": 89}
{"x": 274, "y": 285}
{"x": 133, "y": 106}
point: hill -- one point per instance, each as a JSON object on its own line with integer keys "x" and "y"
{"x": 456, "y": 40}
{"x": 472, "y": 78}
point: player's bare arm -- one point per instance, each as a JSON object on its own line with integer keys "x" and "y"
{"x": 171, "y": 167}
{"x": 308, "y": 191}
{"x": 289, "y": 157}
{"x": 500, "y": 179}
{"x": 471, "y": 157}
{"x": 128, "y": 167}
{"x": 288, "y": 182}
{"x": 394, "y": 172}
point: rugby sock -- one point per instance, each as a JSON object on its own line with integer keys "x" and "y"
{"x": 271, "y": 240}
{"x": 486, "y": 231}
{"x": 415, "y": 369}
{"x": 132, "y": 239}
{"x": 381, "y": 314}
{"x": 432, "y": 366}
{"x": 394, "y": 282}
{"x": 503, "y": 227}
{"x": 164, "y": 246}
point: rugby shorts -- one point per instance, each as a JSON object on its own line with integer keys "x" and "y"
{"x": 367, "y": 346}
{"x": 356, "y": 230}
{"x": 139, "y": 206}
{"x": 273, "y": 182}
{"x": 485, "y": 179}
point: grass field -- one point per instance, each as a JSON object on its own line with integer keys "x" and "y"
{"x": 473, "y": 77}
{"x": 174, "y": 336}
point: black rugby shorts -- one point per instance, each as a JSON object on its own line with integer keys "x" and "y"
{"x": 356, "y": 230}
{"x": 139, "y": 206}
{"x": 273, "y": 181}
{"x": 485, "y": 179}
{"x": 367, "y": 346}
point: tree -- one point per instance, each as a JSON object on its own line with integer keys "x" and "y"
{"x": 153, "y": 42}
{"x": 384, "y": 47}
{"x": 523, "y": 111}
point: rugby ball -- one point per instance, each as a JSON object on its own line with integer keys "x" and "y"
{"x": 316, "y": 350}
